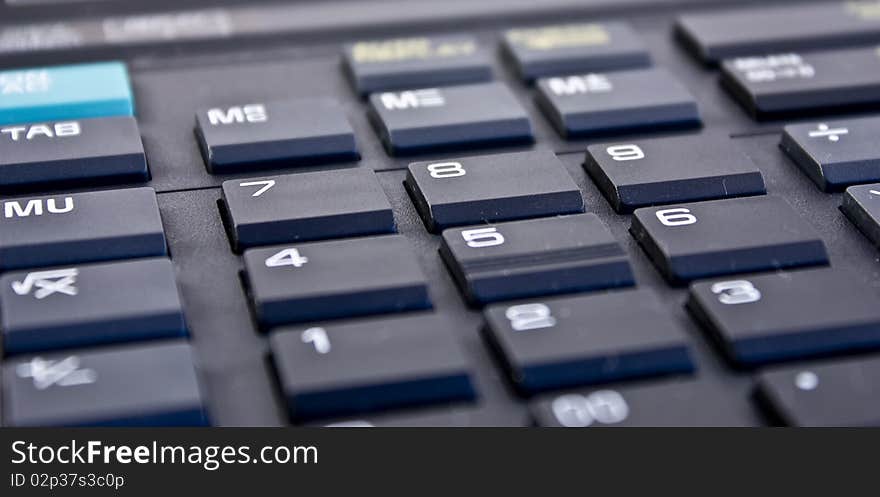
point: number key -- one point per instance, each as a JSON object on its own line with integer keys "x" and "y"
{"x": 580, "y": 340}
{"x": 535, "y": 257}
{"x": 717, "y": 237}
{"x": 306, "y": 206}
{"x": 667, "y": 170}
{"x": 775, "y": 317}
{"x": 501, "y": 187}
{"x": 348, "y": 368}
{"x": 323, "y": 280}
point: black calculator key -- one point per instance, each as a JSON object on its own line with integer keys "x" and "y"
{"x": 323, "y": 280}
{"x": 842, "y": 393}
{"x": 417, "y": 62}
{"x": 774, "y": 317}
{"x": 458, "y": 416}
{"x": 713, "y": 36}
{"x": 306, "y": 206}
{"x": 574, "y": 48}
{"x": 667, "y": 170}
{"x": 89, "y": 305}
{"x": 71, "y": 151}
{"x": 835, "y": 154}
{"x": 569, "y": 341}
{"x": 800, "y": 82}
{"x": 346, "y": 368}
{"x": 862, "y": 205}
{"x": 488, "y": 188}
{"x": 535, "y": 257}
{"x": 719, "y": 237}
{"x": 274, "y": 134}
{"x": 688, "y": 403}
{"x": 603, "y": 102}
{"x": 441, "y": 118}
{"x": 143, "y": 385}
{"x": 80, "y": 227}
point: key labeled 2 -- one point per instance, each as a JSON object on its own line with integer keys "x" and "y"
{"x": 569, "y": 341}
{"x": 718, "y": 237}
{"x": 535, "y": 257}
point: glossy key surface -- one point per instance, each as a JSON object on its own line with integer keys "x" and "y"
{"x": 67, "y": 92}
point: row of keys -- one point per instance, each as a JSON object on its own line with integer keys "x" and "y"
{"x": 406, "y": 63}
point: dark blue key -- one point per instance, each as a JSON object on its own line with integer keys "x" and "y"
{"x": 337, "y": 369}
{"x": 586, "y": 104}
{"x": 464, "y": 116}
{"x": 544, "y": 256}
{"x": 569, "y": 341}
{"x": 417, "y": 62}
{"x": 51, "y": 152}
{"x": 840, "y": 393}
{"x": 143, "y": 385}
{"x": 686, "y": 403}
{"x": 759, "y": 319}
{"x": 76, "y": 306}
{"x": 261, "y": 135}
{"x": 574, "y": 48}
{"x": 80, "y": 227}
{"x": 835, "y": 154}
{"x": 741, "y": 235}
{"x": 340, "y": 278}
{"x": 862, "y": 206}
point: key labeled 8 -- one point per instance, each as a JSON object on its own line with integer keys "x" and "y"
{"x": 446, "y": 170}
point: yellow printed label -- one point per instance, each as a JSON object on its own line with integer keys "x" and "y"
{"x": 404, "y": 49}
{"x": 552, "y": 37}
{"x": 867, "y": 11}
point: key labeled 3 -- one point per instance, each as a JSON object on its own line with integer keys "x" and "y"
{"x": 774, "y": 317}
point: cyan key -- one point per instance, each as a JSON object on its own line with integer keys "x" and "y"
{"x": 77, "y": 91}
{"x": 143, "y": 385}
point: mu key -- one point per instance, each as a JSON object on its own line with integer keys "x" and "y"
{"x": 80, "y": 227}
